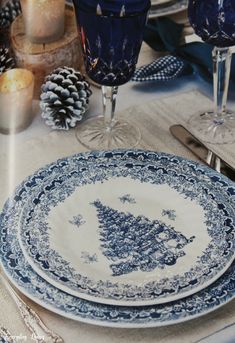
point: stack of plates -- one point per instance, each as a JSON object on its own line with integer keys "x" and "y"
{"x": 124, "y": 238}
{"x": 161, "y": 8}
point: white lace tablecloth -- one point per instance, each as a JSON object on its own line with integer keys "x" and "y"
{"x": 18, "y": 160}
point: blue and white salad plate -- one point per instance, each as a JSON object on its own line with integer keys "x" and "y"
{"x": 160, "y": 8}
{"x": 38, "y": 289}
{"x": 129, "y": 227}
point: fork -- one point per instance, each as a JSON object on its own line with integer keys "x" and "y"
{"x": 40, "y": 332}
{"x": 5, "y": 336}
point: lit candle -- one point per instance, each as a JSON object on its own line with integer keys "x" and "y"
{"x": 43, "y": 19}
{"x": 16, "y": 95}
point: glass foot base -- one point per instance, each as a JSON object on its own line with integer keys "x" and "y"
{"x": 93, "y": 135}
{"x": 206, "y": 127}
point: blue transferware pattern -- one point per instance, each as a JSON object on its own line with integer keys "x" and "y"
{"x": 194, "y": 182}
{"x": 213, "y": 21}
{"x": 136, "y": 243}
{"x": 89, "y": 258}
{"x": 169, "y": 213}
{"x": 77, "y": 220}
{"x": 127, "y": 198}
{"x": 23, "y": 276}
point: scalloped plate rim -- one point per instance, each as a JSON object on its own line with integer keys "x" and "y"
{"x": 53, "y": 308}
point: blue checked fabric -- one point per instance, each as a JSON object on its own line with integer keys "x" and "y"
{"x": 163, "y": 69}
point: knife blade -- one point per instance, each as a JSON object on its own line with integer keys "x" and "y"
{"x": 201, "y": 151}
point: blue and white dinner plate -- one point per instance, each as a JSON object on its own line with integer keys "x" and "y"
{"x": 159, "y": 9}
{"x": 129, "y": 227}
{"x": 39, "y": 290}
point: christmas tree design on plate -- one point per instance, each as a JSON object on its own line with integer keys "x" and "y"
{"x": 137, "y": 243}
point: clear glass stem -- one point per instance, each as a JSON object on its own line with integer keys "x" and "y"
{"x": 221, "y": 72}
{"x": 109, "y": 95}
{"x": 217, "y": 126}
{"x": 106, "y": 132}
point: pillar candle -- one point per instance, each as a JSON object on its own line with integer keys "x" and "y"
{"x": 43, "y": 19}
{"x": 16, "y": 94}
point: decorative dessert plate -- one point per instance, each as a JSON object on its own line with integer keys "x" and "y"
{"x": 129, "y": 227}
{"x": 164, "y": 8}
{"x": 36, "y": 288}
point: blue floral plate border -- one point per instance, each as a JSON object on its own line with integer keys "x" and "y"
{"x": 147, "y": 168}
{"x": 36, "y": 288}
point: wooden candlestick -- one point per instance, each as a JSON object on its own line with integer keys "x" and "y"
{"x": 42, "y": 59}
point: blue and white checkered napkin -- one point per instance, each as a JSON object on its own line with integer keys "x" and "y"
{"x": 163, "y": 69}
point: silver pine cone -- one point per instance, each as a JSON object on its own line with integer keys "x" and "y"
{"x": 9, "y": 12}
{"x": 64, "y": 98}
{"x": 6, "y": 61}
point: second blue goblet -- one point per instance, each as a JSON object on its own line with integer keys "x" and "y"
{"x": 214, "y": 22}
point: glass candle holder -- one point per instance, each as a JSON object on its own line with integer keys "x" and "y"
{"x": 16, "y": 95}
{"x": 43, "y": 19}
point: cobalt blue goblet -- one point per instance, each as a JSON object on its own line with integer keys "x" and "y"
{"x": 111, "y": 35}
{"x": 214, "y": 22}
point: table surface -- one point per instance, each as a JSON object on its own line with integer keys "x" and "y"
{"x": 129, "y": 94}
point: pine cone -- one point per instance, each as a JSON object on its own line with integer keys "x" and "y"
{"x": 9, "y": 12}
{"x": 65, "y": 98}
{"x": 6, "y": 61}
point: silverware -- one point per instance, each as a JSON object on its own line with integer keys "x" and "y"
{"x": 201, "y": 151}
{"x": 226, "y": 334}
{"x": 40, "y": 332}
{"x": 5, "y": 336}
